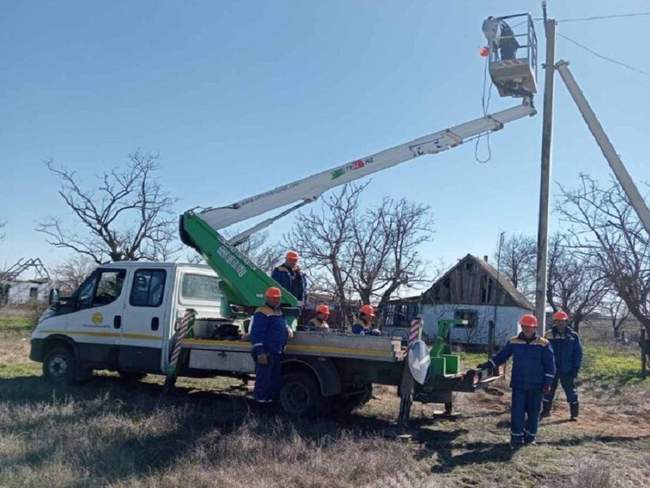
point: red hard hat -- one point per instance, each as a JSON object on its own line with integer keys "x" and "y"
{"x": 273, "y": 292}
{"x": 292, "y": 256}
{"x": 560, "y": 315}
{"x": 367, "y": 310}
{"x": 484, "y": 51}
{"x": 528, "y": 320}
{"x": 323, "y": 308}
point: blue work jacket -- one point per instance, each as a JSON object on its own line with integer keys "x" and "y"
{"x": 533, "y": 363}
{"x": 567, "y": 350}
{"x": 291, "y": 280}
{"x": 268, "y": 331}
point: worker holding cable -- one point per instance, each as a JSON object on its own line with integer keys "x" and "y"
{"x": 533, "y": 370}
{"x": 268, "y": 335}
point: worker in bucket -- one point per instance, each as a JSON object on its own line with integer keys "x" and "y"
{"x": 500, "y": 37}
{"x": 533, "y": 370}
{"x": 363, "y": 325}
{"x": 289, "y": 275}
{"x": 568, "y": 359}
{"x": 268, "y": 334}
{"x": 319, "y": 323}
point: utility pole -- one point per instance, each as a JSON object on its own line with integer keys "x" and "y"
{"x": 545, "y": 180}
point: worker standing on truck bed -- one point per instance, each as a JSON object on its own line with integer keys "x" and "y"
{"x": 289, "y": 275}
{"x": 268, "y": 334}
{"x": 533, "y": 370}
{"x": 319, "y": 323}
{"x": 568, "y": 359}
{"x": 363, "y": 325}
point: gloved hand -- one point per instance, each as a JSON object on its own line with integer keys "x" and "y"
{"x": 546, "y": 389}
{"x": 263, "y": 359}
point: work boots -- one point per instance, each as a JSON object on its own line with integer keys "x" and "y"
{"x": 575, "y": 410}
{"x": 546, "y": 410}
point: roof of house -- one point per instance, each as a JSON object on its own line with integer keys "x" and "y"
{"x": 517, "y": 297}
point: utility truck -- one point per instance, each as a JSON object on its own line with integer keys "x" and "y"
{"x": 124, "y": 316}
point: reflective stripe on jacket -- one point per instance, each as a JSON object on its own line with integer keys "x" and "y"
{"x": 533, "y": 363}
{"x": 268, "y": 331}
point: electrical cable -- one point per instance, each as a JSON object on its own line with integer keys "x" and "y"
{"x": 485, "y": 105}
{"x": 603, "y": 17}
{"x": 606, "y": 58}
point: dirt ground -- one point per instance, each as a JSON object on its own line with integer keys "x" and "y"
{"x": 110, "y": 433}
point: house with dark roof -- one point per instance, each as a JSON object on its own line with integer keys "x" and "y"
{"x": 474, "y": 294}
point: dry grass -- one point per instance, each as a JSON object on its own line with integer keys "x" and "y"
{"x": 111, "y": 434}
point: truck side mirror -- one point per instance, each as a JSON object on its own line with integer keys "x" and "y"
{"x": 54, "y": 298}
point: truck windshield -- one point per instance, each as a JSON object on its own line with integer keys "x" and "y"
{"x": 200, "y": 287}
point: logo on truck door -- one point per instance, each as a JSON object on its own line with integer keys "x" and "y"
{"x": 97, "y": 318}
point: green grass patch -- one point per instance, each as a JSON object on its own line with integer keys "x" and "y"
{"x": 611, "y": 368}
{"x": 16, "y": 323}
{"x": 15, "y": 370}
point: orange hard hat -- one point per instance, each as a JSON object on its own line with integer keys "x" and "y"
{"x": 528, "y": 320}
{"x": 560, "y": 315}
{"x": 484, "y": 51}
{"x": 273, "y": 292}
{"x": 323, "y": 308}
{"x": 292, "y": 256}
{"x": 367, "y": 310}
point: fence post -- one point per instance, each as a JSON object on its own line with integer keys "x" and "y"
{"x": 491, "y": 337}
{"x": 644, "y": 353}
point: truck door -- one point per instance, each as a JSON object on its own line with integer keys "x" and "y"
{"x": 146, "y": 312}
{"x": 99, "y": 304}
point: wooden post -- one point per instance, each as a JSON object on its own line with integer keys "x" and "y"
{"x": 643, "y": 342}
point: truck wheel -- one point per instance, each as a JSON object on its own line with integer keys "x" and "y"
{"x": 345, "y": 404}
{"x": 59, "y": 366}
{"x": 300, "y": 395}
{"x": 131, "y": 376}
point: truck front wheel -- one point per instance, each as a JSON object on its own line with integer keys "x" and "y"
{"x": 59, "y": 366}
{"x": 300, "y": 395}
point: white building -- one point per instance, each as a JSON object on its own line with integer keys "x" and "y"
{"x": 18, "y": 288}
{"x": 472, "y": 292}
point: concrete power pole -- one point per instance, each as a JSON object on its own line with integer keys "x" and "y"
{"x": 545, "y": 180}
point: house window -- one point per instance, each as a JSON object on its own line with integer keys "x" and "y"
{"x": 469, "y": 316}
{"x": 33, "y": 292}
{"x": 469, "y": 266}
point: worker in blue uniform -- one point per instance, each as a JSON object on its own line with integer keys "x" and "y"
{"x": 568, "y": 359}
{"x": 363, "y": 324}
{"x": 533, "y": 370}
{"x": 291, "y": 277}
{"x": 268, "y": 334}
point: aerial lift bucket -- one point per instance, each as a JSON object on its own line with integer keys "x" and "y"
{"x": 513, "y": 62}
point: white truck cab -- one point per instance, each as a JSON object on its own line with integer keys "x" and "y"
{"x": 122, "y": 317}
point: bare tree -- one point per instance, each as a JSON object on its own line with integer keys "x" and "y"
{"x": 127, "y": 217}
{"x": 617, "y": 312}
{"x": 576, "y": 283}
{"x": 323, "y": 239}
{"x": 71, "y": 273}
{"x": 606, "y": 228}
{"x": 385, "y": 248}
{"x": 264, "y": 254}
{"x": 367, "y": 254}
{"x": 517, "y": 262}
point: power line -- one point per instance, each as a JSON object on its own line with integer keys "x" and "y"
{"x": 603, "y": 17}
{"x": 606, "y": 58}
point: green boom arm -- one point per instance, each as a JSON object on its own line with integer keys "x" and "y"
{"x": 242, "y": 282}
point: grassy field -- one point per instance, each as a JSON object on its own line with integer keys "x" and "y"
{"x": 115, "y": 434}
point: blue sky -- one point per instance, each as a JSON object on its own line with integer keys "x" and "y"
{"x": 239, "y": 97}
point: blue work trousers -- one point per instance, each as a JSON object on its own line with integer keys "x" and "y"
{"x": 568, "y": 382}
{"x": 524, "y": 415}
{"x": 267, "y": 378}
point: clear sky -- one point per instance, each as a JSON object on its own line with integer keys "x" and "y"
{"x": 239, "y": 97}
